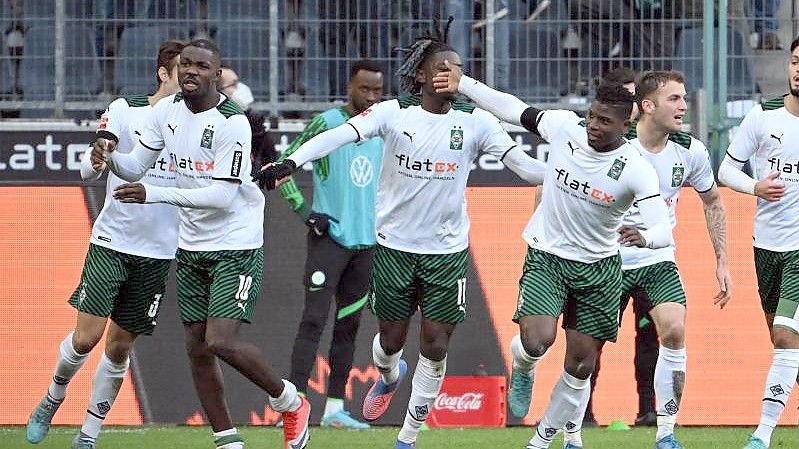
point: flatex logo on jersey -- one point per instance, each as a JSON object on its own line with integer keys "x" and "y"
{"x": 788, "y": 169}
{"x": 190, "y": 165}
{"x": 583, "y": 189}
{"x": 361, "y": 171}
{"x": 426, "y": 169}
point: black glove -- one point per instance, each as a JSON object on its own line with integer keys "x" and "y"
{"x": 268, "y": 176}
{"x": 319, "y": 223}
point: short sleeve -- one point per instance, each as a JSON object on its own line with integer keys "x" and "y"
{"x": 232, "y": 154}
{"x": 371, "y": 122}
{"x": 746, "y": 140}
{"x": 493, "y": 139}
{"x": 113, "y": 124}
{"x": 151, "y": 134}
{"x": 551, "y": 122}
{"x": 701, "y": 174}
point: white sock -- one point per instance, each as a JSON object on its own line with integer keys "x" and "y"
{"x": 288, "y": 401}
{"x": 565, "y": 400}
{"x": 779, "y": 383}
{"x": 573, "y": 430}
{"x": 228, "y": 439}
{"x": 388, "y": 365}
{"x": 333, "y": 406}
{"x": 107, "y": 381}
{"x": 669, "y": 385}
{"x": 427, "y": 380}
{"x": 522, "y": 360}
{"x": 68, "y": 363}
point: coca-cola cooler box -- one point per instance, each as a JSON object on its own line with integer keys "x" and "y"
{"x": 470, "y": 401}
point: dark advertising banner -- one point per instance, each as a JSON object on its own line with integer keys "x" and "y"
{"x": 54, "y": 157}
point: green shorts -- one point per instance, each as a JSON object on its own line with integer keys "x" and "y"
{"x": 660, "y": 283}
{"x": 592, "y": 289}
{"x": 404, "y": 282}
{"x": 778, "y": 285}
{"x": 219, "y": 284}
{"x": 127, "y": 288}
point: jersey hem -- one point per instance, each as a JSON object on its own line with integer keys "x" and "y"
{"x": 776, "y": 249}
{"x": 423, "y": 251}
{"x": 213, "y": 248}
{"x": 94, "y": 241}
{"x": 564, "y": 255}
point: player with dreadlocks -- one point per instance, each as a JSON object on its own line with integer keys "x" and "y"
{"x": 430, "y": 141}
{"x": 573, "y": 267}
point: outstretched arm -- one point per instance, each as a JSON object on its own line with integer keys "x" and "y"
{"x": 716, "y": 219}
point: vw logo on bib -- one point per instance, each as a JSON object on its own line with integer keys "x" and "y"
{"x": 361, "y": 171}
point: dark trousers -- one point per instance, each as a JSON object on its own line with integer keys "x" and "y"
{"x": 331, "y": 271}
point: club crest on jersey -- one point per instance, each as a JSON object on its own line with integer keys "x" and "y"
{"x": 677, "y": 175}
{"x": 456, "y": 138}
{"x": 208, "y": 137}
{"x": 616, "y": 169}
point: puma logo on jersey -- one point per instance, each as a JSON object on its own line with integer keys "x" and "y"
{"x": 239, "y": 144}
{"x": 778, "y": 139}
{"x": 172, "y": 128}
{"x": 572, "y": 147}
{"x": 409, "y": 135}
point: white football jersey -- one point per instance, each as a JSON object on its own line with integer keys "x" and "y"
{"x": 683, "y": 162}
{"x": 213, "y": 144}
{"x": 141, "y": 230}
{"x": 421, "y": 202}
{"x": 770, "y": 133}
{"x": 586, "y": 192}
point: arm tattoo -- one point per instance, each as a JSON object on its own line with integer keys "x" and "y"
{"x": 716, "y": 219}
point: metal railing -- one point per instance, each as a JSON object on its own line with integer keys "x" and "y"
{"x": 71, "y": 57}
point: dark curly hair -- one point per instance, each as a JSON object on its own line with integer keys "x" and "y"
{"x": 419, "y": 50}
{"x": 617, "y": 96}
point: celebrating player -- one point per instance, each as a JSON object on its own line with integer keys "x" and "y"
{"x": 593, "y": 177}
{"x": 220, "y": 251}
{"x": 422, "y": 227}
{"x": 124, "y": 276}
{"x": 769, "y": 132}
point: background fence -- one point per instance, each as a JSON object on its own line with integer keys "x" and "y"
{"x": 71, "y": 57}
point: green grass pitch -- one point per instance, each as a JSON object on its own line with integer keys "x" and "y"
{"x": 183, "y": 437}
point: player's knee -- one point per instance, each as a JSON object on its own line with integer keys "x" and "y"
{"x": 581, "y": 367}
{"x": 84, "y": 341}
{"x": 220, "y": 346}
{"x": 672, "y": 335}
{"x": 118, "y": 350}
{"x": 786, "y": 338}
{"x": 535, "y": 343}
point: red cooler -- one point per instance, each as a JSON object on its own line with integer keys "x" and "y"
{"x": 470, "y": 401}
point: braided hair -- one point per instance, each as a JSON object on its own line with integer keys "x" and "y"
{"x": 419, "y": 50}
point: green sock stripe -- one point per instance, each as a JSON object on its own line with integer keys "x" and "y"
{"x": 352, "y": 308}
{"x": 221, "y": 441}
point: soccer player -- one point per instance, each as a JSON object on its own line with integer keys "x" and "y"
{"x": 422, "y": 227}
{"x": 651, "y": 274}
{"x": 769, "y": 132}
{"x": 340, "y": 241}
{"x": 593, "y": 177}
{"x": 124, "y": 276}
{"x": 220, "y": 250}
